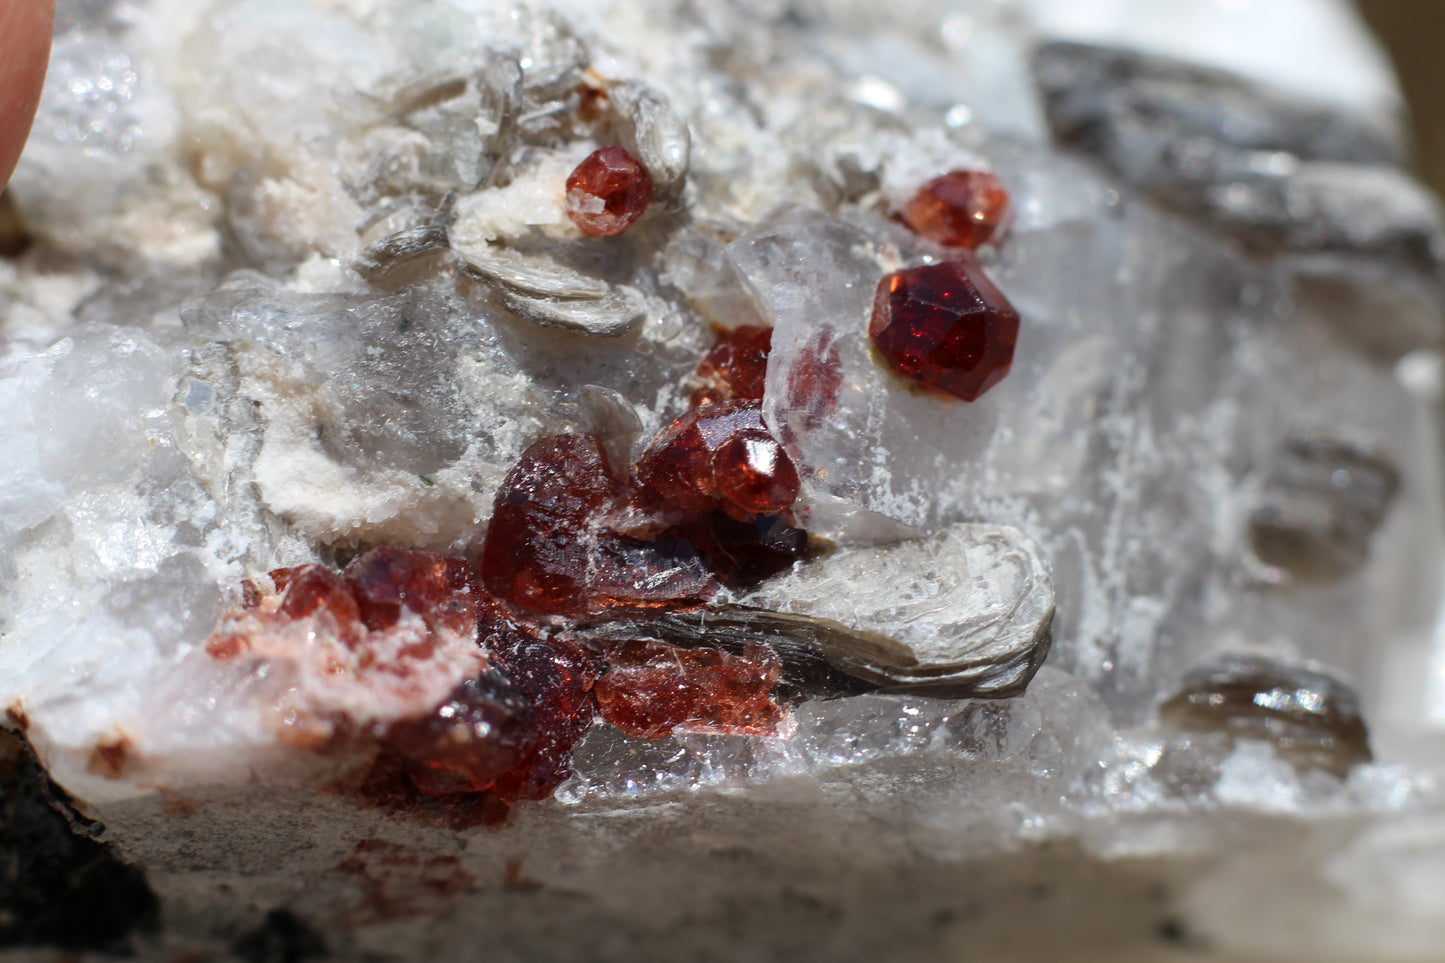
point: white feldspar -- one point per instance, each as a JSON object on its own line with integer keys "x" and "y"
{"x": 302, "y": 283}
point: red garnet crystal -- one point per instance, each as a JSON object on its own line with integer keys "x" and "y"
{"x": 736, "y": 367}
{"x": 945, "y": 325}
{"x": 608, "y": 192}
{"x": 721, "y": 456}
{"x": 959, "y": 209}
{"x": 548, "y": 549}
{"x": 651, "y": 689}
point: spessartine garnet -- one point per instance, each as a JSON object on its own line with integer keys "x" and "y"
{"x": 549, "y": 549}
{"x": 651, "y": 689}
{"x": 959, "y": 209}
{"x": 720, "y": 456}
{"x": 946, "y": 326}
{"x": 736, "y": 367}
{"x": 608, "y": 192}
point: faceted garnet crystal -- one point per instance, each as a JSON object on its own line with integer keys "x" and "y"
{"x": 946, "y": 326}
{"x": 720, "y": 456}
{"x": 549, "y": 549}
{"x": 651, "y": 689}
{"x": 960, "y": 209}
{"x": 608, "y": 192}
{"x": 736, "y": 366}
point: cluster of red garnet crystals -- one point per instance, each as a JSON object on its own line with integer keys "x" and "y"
{"x": 608, "y": 192}
{"x": 507, "y": 733}
{"x": 708, "y": 502}
{"x": 945, "y": 325}
{"x": 550, "y": 550}
{"x": 363, "y": 604}
{"x": 959, "y": 209}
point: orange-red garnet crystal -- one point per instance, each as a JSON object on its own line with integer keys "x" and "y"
{"x": 722, "y": 456}
{"x": 736, "y": 367}
{"x": 960, "y": 209}
{"x": 946, "y": 326}
{"x": 608, "y": 192}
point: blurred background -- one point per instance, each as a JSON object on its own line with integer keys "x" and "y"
{"x": 1413, "y": 32}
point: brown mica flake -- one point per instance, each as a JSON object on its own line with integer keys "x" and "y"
{"x": 652, "y": 689}
{"x": 1312, "y": 718}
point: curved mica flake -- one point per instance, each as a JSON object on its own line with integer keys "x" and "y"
{"x": 965, "y": 613}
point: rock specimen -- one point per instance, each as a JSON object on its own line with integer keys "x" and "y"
{"x": 794, "y": 478}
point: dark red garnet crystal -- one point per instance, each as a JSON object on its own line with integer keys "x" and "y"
{"x": 608, "y": 192}
{"x": 945, "y": 325}
{"x": 720, "y": 456}
{"x": 736, "y": 367}
{"x": 960, "y": 209}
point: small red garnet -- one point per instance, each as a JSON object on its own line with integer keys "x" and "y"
{"x": 959, "y": 209}
{"x": 608, "y": 192}
{"x": 720, "y": 455}
{"x": 736, "y": 367}
{"x": 945, "y": 325}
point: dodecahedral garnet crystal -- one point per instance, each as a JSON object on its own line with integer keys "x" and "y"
{"x": 720, "y": 456}
{"x": 960, "y": 209}
{"x": 945, "y": 325}
{"x": 736, "y": 367}
{"x": 608, "y": 192}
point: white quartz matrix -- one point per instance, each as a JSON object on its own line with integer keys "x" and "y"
{"x": 211, "y": 366}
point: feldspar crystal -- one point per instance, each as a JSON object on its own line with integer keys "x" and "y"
{"x": 959, "y": 209}
{"x": 608, "y": 192}
{"x": 946, "y": 326}
{"x": 1145, "y": 639}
